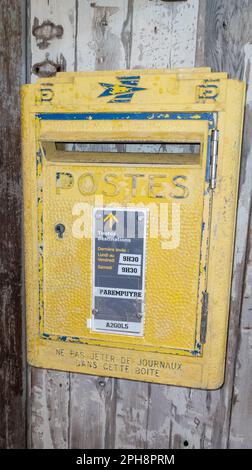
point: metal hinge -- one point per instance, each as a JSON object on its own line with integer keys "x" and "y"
{"x": 204, "y": 314}
{"x": 214, "y": 157}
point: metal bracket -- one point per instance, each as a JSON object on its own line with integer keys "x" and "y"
{"x": 48, "y": 68}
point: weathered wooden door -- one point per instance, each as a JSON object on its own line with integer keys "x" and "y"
{"x": 79, "y": 411}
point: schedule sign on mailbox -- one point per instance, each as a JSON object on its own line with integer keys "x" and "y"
{"x": 118, "y": 257}
{"x": 130, "y": 196}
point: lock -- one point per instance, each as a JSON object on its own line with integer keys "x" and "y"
{"x": 60, "y": 229}
{"x": 142, "y": 170}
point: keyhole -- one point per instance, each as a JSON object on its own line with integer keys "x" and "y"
{"x": 60, "y": 229}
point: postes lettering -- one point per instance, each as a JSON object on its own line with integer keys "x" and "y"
{"x": 159, "y": 186}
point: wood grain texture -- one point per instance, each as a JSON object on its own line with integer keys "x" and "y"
{"x": 60, "y": 51}
{"x": 80, "y": 411}
{"x": 132, "y": 407}
{"x": 48, "y": 394}
{"x": 12, "y": 372}
{"x": 163, "y": 34}
{"x": 49, "y": 420}
{"x": 100, "y": 43}
{"x": 228, "y": 34}
{"x": 241, "y": 412}
{"x": 201, "y": 419}
{"x": 196, "y": 418}
{"x": 92, "y": 412}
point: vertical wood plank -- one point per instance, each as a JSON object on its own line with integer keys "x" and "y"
{"x": 193, "y": 419}
{"x": 50, "y": 407}
{"x": 200, "y": 37}
{"x": 12, "y": 370}
{"x": 99, "y": 46}
{"x": 196, "y": 418}
{"x": 229, "y": 26}
{"x": 132, "y": 408}
{"x": 52, "y": 34}
{"x": 164, "y": 34}
{"x": 241, "y": 421}
{"x": 92, "y": 412}
{"x": 241, "y": 416}
{"x": 48, "y": 401}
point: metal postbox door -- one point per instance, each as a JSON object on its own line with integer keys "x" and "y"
{"x": 172, "y": 189}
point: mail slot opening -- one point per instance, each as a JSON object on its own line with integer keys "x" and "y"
{"x": 119, "y": 152}
{"x": 131, "y": 147}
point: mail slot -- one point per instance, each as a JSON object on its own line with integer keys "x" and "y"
{"x": 130, "y": 195}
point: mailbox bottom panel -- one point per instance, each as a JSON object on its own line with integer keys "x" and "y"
{"x": 128, "y": 364}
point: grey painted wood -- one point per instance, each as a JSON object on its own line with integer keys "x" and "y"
{"x": 48, "y": 409}
{"x": 73, "y": 410}
{"x": 12, "y": 371}
{"x": 198, "y": 418}
{"x": 227, "y": 47}
{"x": 241, "y": 413}
{"x": 92, "y": 412}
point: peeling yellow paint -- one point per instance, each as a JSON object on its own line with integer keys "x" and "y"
{"x": 167, "y": 107}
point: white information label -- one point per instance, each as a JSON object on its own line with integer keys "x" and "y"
{"x": 119, "y": 244}
{"x": 129, "y": 270}
{"x": 130, "y": 259}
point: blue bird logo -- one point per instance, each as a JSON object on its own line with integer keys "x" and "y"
{"x": 122, "y": 91}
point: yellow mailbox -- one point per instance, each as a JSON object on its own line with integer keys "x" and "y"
{"x": 130, "y": 191}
